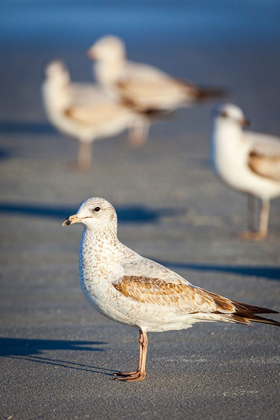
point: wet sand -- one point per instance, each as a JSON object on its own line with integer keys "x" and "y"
{"x": 58, "y": 354}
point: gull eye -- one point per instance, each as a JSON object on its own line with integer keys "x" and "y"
{"x": 224, "y": 114}
{"x": 97, "y": 209}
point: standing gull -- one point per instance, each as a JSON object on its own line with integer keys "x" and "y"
{"x": 246, "y": 161}
{"x": 140, "y": 86}
{"x": 139, "y": 292}
{"x": 82, "y": 110}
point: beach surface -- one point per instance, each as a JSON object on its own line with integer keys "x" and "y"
{"x": 58, "y": 354}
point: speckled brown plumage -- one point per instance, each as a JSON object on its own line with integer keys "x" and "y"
{"x": 160, "y": 292}
{"x": 136, "y": 291}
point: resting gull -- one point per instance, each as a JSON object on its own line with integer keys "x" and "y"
{"x": 136, "y": 291}
{"x": 82, "y": 111}
{"x": 246, "y": 161}
{"x": 142, "y": 87}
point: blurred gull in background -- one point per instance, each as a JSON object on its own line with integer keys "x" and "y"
{"x": 142, "y": 87}
{"x": 82, "y": 110}
{"x": 246, "y": 161}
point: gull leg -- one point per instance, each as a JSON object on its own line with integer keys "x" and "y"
{"x": 138, "y": 134}
{"x": 251, "y": 213}
{"x": 263, "y": 228}
{"x": 250, "y": 233}
{"x": 264, "y": 220}
{"x": 144, "y": 358}
{"x": 139, "y": 359}
{"x": 84, "y": 155}
{"x": 140, "y": 374}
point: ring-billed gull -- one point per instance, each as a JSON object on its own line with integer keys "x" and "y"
{"x": 82, "y": 111}
{"x": 246, "y": 161}
{"x": 136, "y": 291}
{"x": 142, "y": 87}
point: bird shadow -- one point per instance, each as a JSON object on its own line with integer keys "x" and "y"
{"x": 27, "y": 347}
{"x": 16, "y": 127}
{"x": 129, "y": 214}
{"x": 5, "y": 154}
{"x": 22, "y": 128}
{"x": 33, "y": 350}
{"x": 271, "y": 273}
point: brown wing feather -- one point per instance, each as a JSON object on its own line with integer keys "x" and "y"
{"x": 76, "y": 115}
{"x": 266, "y": 166}
{"x": 189, "y": 298}
{"x": 145, "y": 112}
{"x": 132, "y": 104}
{"x": 200, "y": 93}
{"x": 223, "y": 305}
{"x": 160, "y": 292}
{"x": 129, "y": 90}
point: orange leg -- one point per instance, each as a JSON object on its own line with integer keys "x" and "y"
{"x": 139, "y": 359}
{"x": 264, "y": 218}
{"x": 140, "y": 373}
{"x": 84, "y": 156}
{"x": 251, "y": 213}
{"x": 138, "y": 134}
{"x": 263, "y": 229}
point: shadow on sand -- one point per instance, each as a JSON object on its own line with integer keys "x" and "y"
{"x": 5, "y": 154}
{"x": 141, "y": 215}
{"x": 272, "y": 273}
{"x": 28, "y": 347}
{"x": 26, "y": 128}
{"x": 132, "y": 214}
{"x": 32, "y": 350}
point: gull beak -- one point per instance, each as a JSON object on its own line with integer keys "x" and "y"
{"x": 71, "y": 220}
{"x": 245, "y": 122}
{"x": 91, "y": 54}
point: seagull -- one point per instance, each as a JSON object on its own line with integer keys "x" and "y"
{"x": 142, "y": 87}
{"x": 248, "y": 162}
{"x": 82, "y": 111}
{"x": 136, "y": 291}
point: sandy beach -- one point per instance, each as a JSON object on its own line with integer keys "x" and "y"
{"x": 57, "y": 353}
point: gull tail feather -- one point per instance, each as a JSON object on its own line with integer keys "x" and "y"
{"x": 245, "y": 314}
{"x": 155, "y": 113}
{"x": 239, "y": 312}
{"x": 254, "y": 318}
{"x": 202, "y": 93}
{"x": 151, "y": 113}
{"x": 245, "y": 308}
{"x": 206, "y": 93}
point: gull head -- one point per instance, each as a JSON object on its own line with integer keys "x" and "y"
{"x": 108, "y": 49}
{"x": 95, "y": 214}
{"x": 232, "y": 114}
{"x": 57, "y": 73}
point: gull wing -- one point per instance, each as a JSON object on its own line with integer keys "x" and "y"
{"x": 265, "y": 166}
{"x": 90, "y": 114}
{"x": 153, "y": 94}
{"x": 145, "y": 87}
{"x": 148, "y": 282}
{"x": 264, "y": 158}
{"x": 85, "y": 93}
{"x": 263, "y": 144}
{"x": 143, "y": 72}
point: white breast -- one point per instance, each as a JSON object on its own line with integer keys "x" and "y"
{"x": 98, "y": 267}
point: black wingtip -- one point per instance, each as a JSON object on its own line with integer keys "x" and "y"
{"x": 211, "y": 93}
{"x": 245, "y": 309}
{"x": 262, "y": 320}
